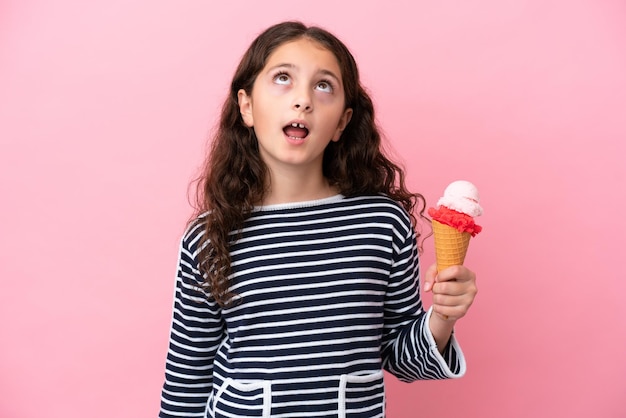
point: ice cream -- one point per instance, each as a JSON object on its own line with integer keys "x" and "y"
{"x": 453, "y": 222}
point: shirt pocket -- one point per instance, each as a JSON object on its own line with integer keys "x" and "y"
{"x": 362, "y": 396}
{"x": 237, "y": 399}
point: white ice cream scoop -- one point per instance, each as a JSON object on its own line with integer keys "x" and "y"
{"x": 463, "y": 197}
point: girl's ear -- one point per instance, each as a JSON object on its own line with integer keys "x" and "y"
{"x": 343, "y": 122}
{"x": 245, "y": 107}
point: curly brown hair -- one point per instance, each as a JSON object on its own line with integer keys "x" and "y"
{"x": 234, "y": 175}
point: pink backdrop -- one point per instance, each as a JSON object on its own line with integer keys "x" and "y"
{"x": 105, "y": 108}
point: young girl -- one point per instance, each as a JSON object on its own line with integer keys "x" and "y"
{"x": 298, "y": 279}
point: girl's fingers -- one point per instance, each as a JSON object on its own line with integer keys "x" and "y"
{"x": 454, "y": 288}
{"x": 430, "y": 277}
{"x": 454, "y": 292}
{"x": 456, "y": 273}
{"x": 445, "y": 300}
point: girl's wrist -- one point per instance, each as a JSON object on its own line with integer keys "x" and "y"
{"x": 441, "y": 329}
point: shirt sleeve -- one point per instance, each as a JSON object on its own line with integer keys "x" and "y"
{"x": 409, "y": 351}
{"x": 196, "y": 331}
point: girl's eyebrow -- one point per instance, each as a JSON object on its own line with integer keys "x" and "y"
{"x": 293, "y": 66}
{"x": 330, "y": 74}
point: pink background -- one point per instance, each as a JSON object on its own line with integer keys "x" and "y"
{"x": 105, "y": 108}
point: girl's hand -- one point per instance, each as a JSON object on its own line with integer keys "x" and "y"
{"x": 454, "y": 290}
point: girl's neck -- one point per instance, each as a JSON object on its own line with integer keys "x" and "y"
{"x": 284, "y": 188}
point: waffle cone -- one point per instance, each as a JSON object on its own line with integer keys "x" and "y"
{"x": 450, "y": 245}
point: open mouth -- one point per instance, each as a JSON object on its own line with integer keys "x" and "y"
{"x": 296, "y": 131}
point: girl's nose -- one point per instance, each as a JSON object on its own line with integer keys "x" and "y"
{"x": 305, "y": 107}
{"x": 302, "y": 102}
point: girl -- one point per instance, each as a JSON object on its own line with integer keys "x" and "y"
{"x": 298, "y": 277}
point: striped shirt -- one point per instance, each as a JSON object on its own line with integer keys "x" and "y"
{"x": 327, "y": 298}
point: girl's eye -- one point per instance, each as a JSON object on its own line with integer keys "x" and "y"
{"x": 282, "y": 78}
{"x": 325, "y": 86}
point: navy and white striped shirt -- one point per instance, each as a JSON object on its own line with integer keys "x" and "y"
{"x": 328, "y": 297}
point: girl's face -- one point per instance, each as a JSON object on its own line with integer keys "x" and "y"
{"x": 296, "y": 106}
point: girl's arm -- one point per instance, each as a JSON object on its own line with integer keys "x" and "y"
{"x": 196, "y": 332}
{"x": 409, "y": 349}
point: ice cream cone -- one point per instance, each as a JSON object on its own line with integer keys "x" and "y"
{"x": 450, "y": 245}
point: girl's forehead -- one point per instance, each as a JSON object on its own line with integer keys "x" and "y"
{"x": 303, "y": 50}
